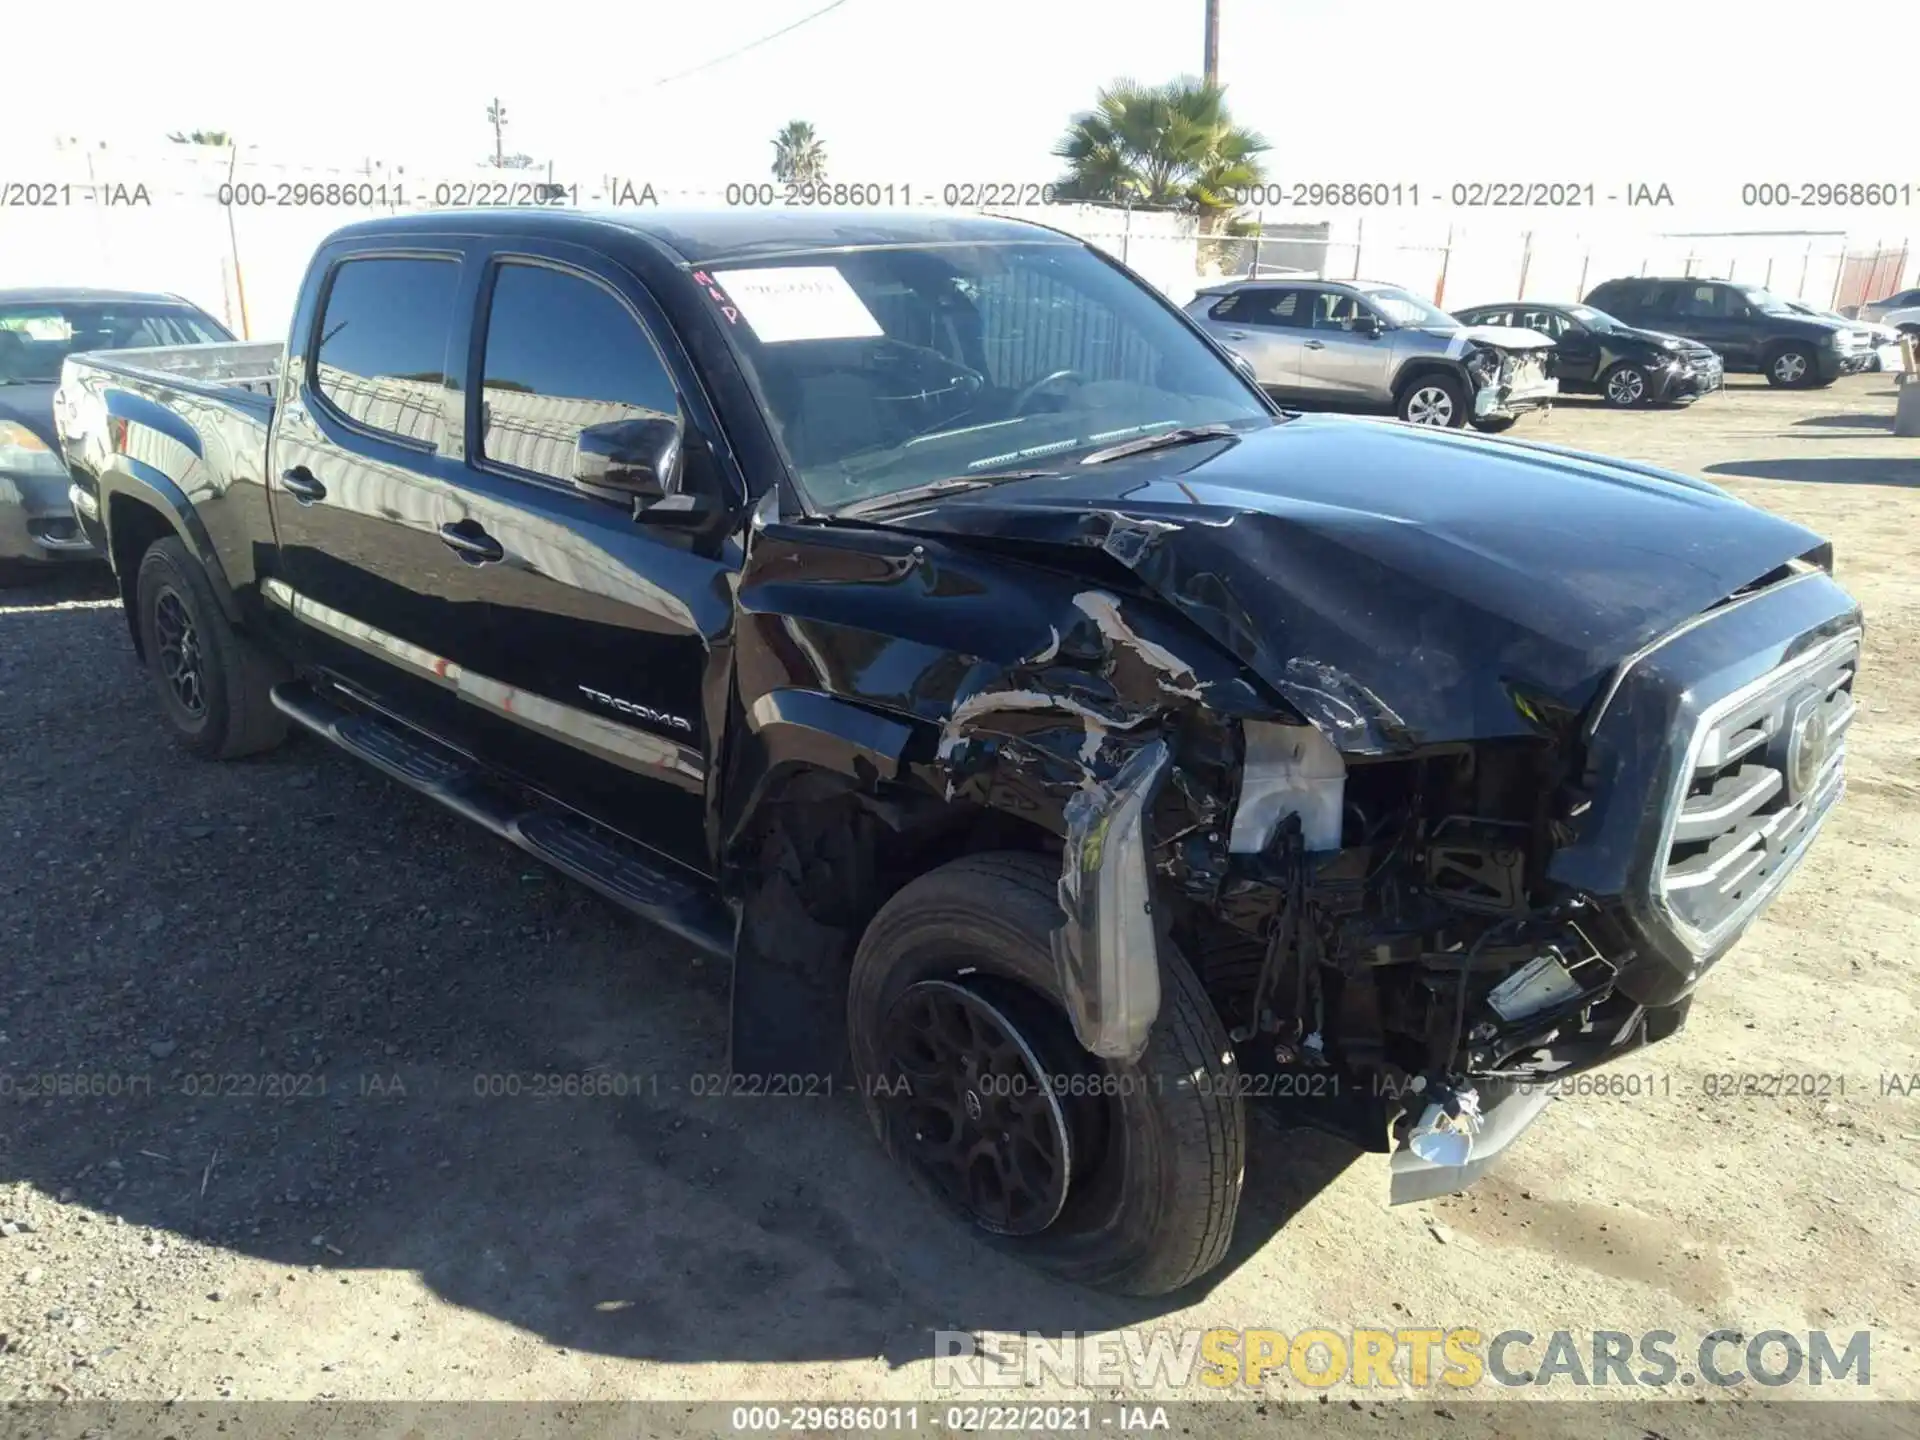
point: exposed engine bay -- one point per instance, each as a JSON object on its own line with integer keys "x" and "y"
{"x": 1509, "y": 369}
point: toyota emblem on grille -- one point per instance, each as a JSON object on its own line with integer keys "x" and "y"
{"x": 1807, "y": 747}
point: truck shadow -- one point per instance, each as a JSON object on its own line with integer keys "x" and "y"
{"x": 288, "y": 1009}
{"x": 1879, "y": 470}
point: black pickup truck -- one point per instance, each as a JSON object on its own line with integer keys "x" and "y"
{"x": 1061, "y": 743}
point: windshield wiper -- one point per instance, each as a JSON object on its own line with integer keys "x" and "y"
{"x": 932, "y": 489}
{"x": 1186, "y": 435}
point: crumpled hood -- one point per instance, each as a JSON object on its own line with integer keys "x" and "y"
{"x": 30, "y": 405}
{"x": 1397, "y": 584}
{"x": 1507, "y": 337}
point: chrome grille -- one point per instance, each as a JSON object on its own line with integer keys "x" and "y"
{"x": 1764, "y": 767}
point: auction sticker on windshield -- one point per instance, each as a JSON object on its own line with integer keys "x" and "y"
{"x": 799, "y": 302}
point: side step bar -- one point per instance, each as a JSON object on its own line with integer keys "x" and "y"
{"x": 620, "y": 870}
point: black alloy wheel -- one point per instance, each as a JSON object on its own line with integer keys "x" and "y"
{"x": 977, "y": 1114}
{"x": 178, "y": 658}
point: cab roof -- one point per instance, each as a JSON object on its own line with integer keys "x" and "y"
{"x": 716, "y": 237}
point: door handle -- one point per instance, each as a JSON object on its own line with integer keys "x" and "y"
{"x": 1316, "y": 344}
{"x": 471, "y": 543}
{"x": 300, "y": 484}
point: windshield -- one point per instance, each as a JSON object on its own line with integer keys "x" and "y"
{"x": 1406, "y": 309}
{"x": 890, "y": 368}
{"x": 1765, "y": 301}
{"x": 36, "y": 337}
{"x": 1597, "y": 321}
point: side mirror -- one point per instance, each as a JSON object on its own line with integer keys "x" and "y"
{"x": 635, "y": 463}
{"x": 1244, "y": 366}
{"x": 1366, "y": 323}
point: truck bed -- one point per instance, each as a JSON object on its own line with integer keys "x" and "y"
{"x": 243, "y": 373}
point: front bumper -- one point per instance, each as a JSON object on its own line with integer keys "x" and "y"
{"x": 37, "y": 522}
{"x": 1506, "y": 401}
{"x": 1685, "y": 381}
{"x": 1508, "y": 1112}
{"x": 1832, "y": 364}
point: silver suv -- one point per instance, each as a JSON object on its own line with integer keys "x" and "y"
{"x": 1361, "y": 345}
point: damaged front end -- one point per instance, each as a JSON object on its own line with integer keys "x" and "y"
{"x": 1442, "y": 798}
{"x": 1510, "y": 371}
{"x": 1395, "y": 937}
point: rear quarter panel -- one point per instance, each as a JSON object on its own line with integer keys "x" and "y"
{"x": 193, "y": 454}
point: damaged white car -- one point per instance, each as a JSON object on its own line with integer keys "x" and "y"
{"x": 1364, "y": 346}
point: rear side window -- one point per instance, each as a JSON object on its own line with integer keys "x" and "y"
{"x": 1282, "y": 308}
{"x": 382, "y": 356}
{"x": 1618, "y": 295}
{"x": 562, "y": 353}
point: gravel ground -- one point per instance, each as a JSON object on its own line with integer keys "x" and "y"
{"x": 313, "y": 1091}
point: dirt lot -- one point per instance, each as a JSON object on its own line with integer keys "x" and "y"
{"x": 168, "y": 925}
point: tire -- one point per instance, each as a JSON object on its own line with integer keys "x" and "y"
{"x": 1625, "y": 385}
{"x": 1496, "y": 424}
{"x": 1434, "y": 394}
{"x": 1793, "y": 367}
{"x": 1155, "y": 1169}
{"x": 182, "y": 629}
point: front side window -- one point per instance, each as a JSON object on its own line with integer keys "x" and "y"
{"x": 1550, "y": 323}
{"x": 1488, "y": 317}
{"x": 381, "y": 359}
{"x": 1335, "y": 310}
{"x": 562, "y": 353}
{"x": 888, "y": 368}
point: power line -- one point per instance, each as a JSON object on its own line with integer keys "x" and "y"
{"x": 752, "y": 44}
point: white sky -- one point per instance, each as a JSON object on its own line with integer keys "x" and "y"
{"x": 1701, "y": 94}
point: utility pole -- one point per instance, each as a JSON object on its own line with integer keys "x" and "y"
{"x": 1213, "y": 42}
{"x": 497, "y": 117}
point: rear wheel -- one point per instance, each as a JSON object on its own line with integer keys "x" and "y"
{"x": 1124, "y": 1176}
{"x": 212, "y": 682}
{"x": 1433, "y": 399}
{"x": 1792, "y": 367}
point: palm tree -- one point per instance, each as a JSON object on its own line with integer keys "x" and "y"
{"x": 201, "y": 137}
{"x": 1173, "y": 146}
{"x": 798, "y": 155}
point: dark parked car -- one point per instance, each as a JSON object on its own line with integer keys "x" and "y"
{"x": 1595, "y": 354}
{"x": 38, "y": 330}
{"x": 1753, "y": 330}
{"x": 925, "y": 616}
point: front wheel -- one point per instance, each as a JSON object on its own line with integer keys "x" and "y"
{"x": 1438, "y": 400}
{"x": 1792, "y": 368}
{"x": 1125, "y": 1176}
{"x": 213, "y": 684}
{"x": 1625, "y": 386}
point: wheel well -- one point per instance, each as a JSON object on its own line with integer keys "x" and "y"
{"x": 132, "y": 529}
{"x": 1416, "y": 370}
{"x": 826, "y": 853}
